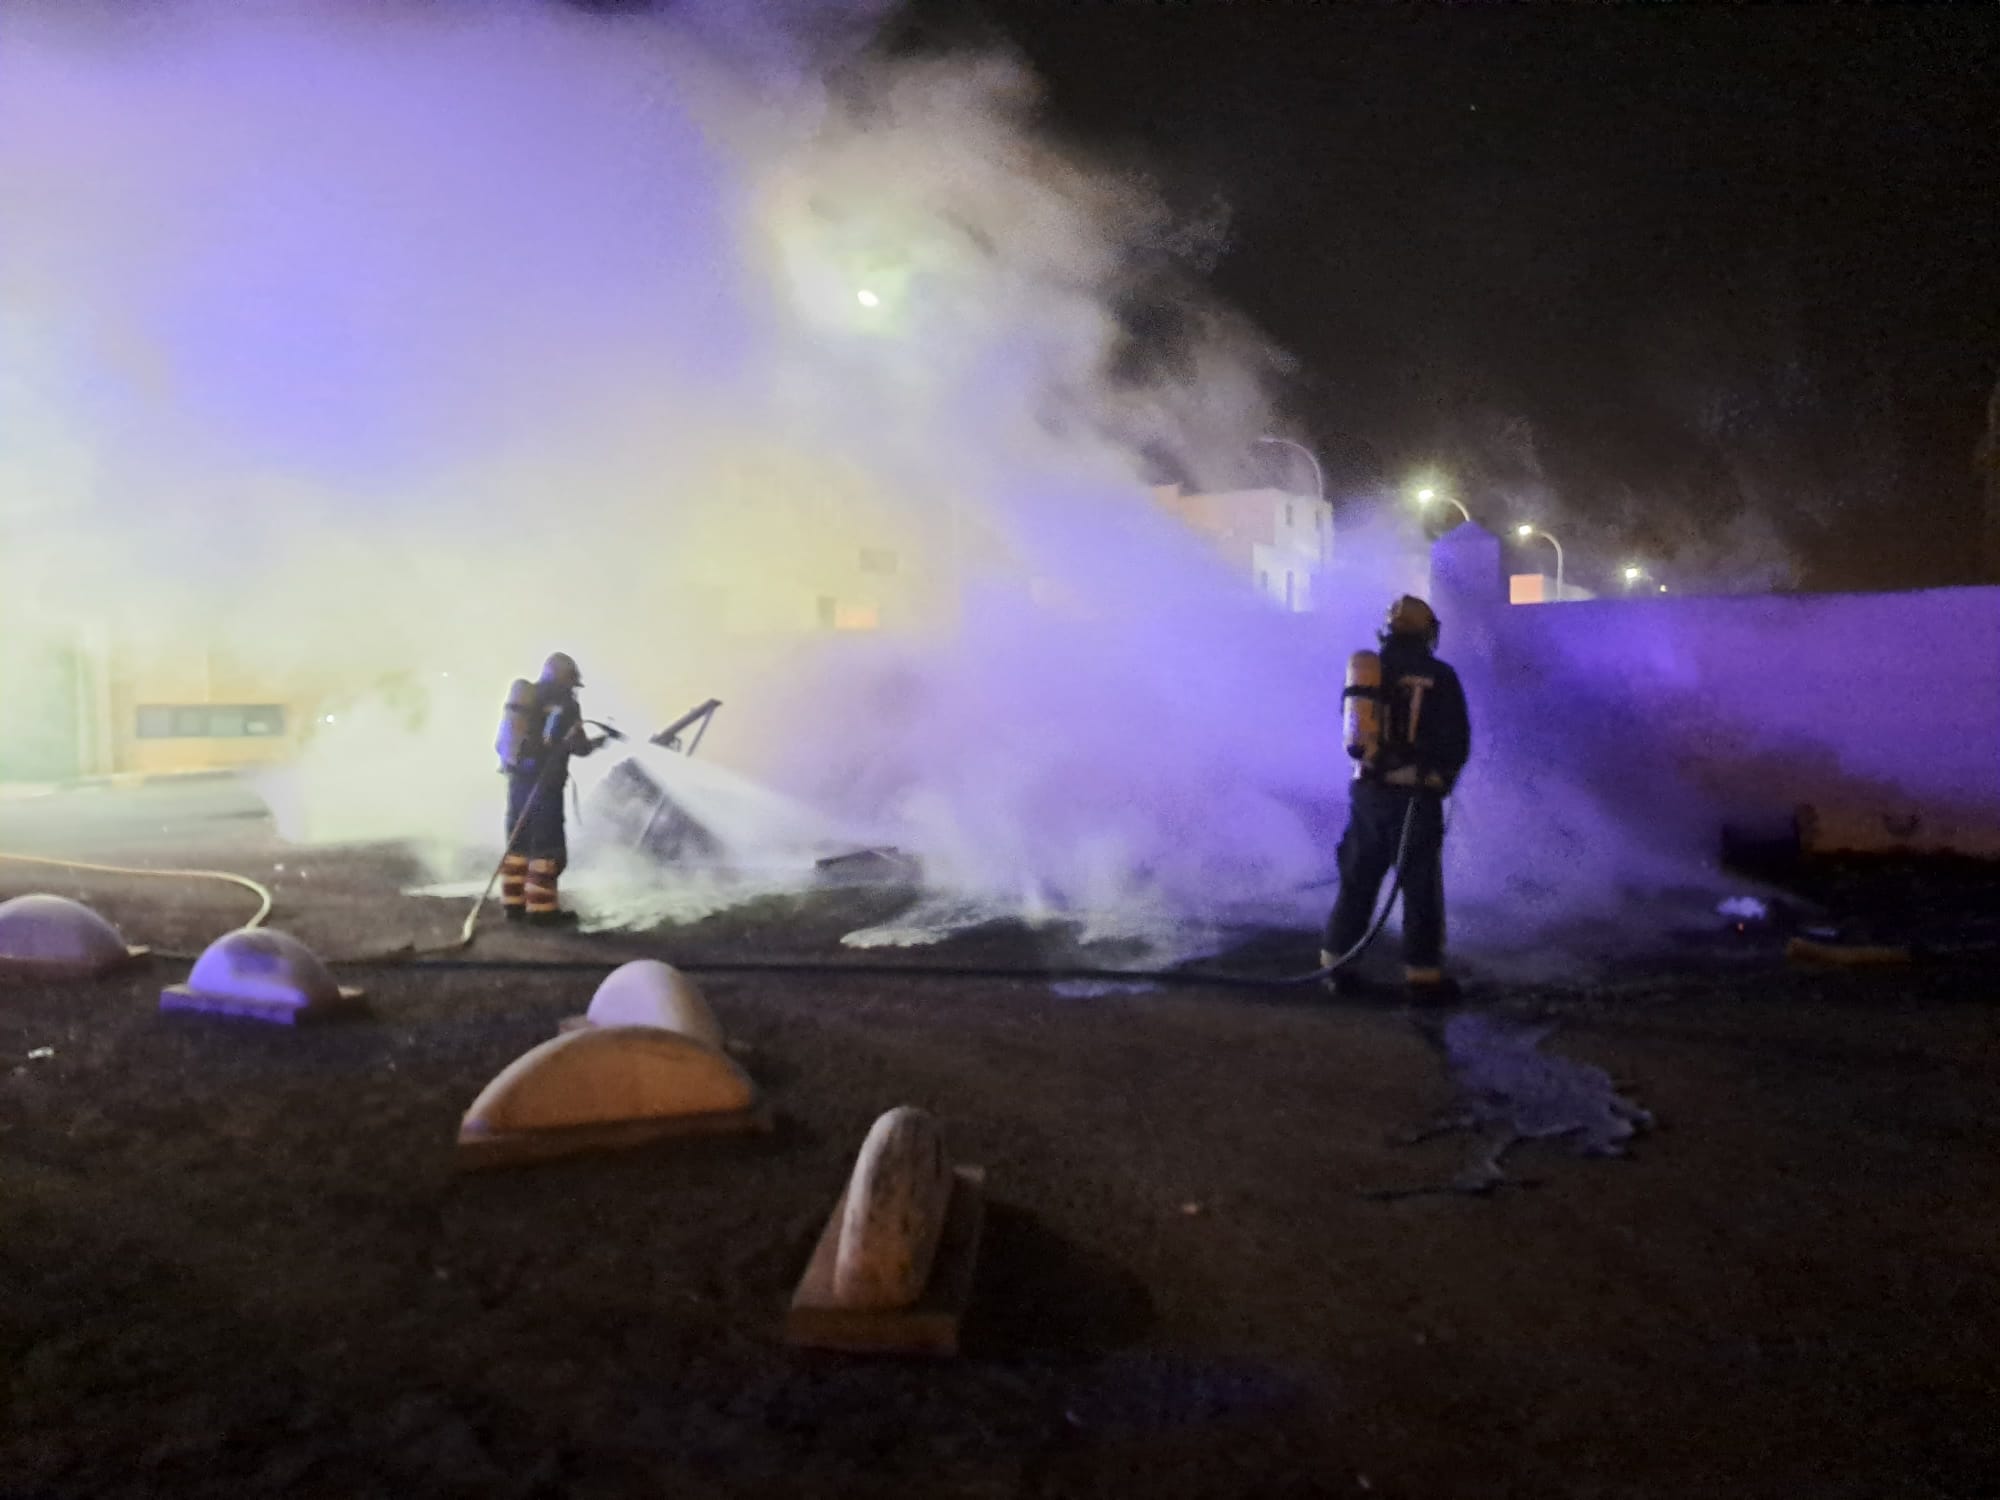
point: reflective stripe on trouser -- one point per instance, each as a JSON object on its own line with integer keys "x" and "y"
{"x": 541, "y": 885}
{"x": 514, "y": 880}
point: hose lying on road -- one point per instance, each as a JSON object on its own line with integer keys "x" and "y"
{"x": 447, "y": 956}
{"x": 261, "y": 892}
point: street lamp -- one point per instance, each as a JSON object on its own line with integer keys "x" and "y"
{"x": 1633, "y": 574}
{"x": 1427, "y": 494}
{"x": 1524, "y": 531}
{"x": 1319, "y": 482}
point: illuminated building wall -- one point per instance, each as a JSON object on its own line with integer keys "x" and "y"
{"x": 82, "y": 698}
{"x": 1280, "y": 542}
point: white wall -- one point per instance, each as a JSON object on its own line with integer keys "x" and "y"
{"x": 1868, "y": 706}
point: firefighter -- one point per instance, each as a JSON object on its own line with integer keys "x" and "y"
{"x": 540, "y": 731}
{"x": 1409, "y": 734}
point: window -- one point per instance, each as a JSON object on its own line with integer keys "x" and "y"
{"x": 877, "y": 560}
{"x": 1263, "y": 582}
{"x": 209, "y": 721}
{"x": 225, "y": 723}
{"x": 1288, "y": 515}
{"x": 1288, "y": 589}
{"x": 829, "y": 611}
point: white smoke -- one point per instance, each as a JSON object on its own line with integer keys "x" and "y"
{"x": 392, "y": 345}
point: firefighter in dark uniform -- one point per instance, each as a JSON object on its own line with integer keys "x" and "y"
{"x": 1409, "y": 733}
{"x": 539, "y": 733}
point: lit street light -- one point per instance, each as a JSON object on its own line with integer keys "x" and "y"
{"x": 867, "y": 298}
{"x": 1524, "y": 531}
{"x": 1633, "y": 574}
{"x": 1427, "y": 494}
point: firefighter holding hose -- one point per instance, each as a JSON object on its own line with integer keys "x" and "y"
{"x": 1409, "y": 733}
{"x": 542, "y": 728}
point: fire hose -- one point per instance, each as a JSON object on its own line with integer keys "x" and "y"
{"x": 451, "y": 955}
{"x": 265, "y": 901}
{"x": 421, "y": 959}
{"x": 470, "y": 929}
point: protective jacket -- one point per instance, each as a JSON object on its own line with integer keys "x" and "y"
{"x": 1426, "y": 735}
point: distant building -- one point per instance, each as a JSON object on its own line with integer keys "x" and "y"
{"x": 82, "y": 695}
{"x": 88, "y": 700}
{"x": 1540, "y": 588}
{"x": 1279, "y": 542}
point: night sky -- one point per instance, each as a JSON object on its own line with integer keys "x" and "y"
{"x": 1631, "y": 270}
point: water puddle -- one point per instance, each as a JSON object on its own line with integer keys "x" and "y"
{"x": 1506, "y": 1091}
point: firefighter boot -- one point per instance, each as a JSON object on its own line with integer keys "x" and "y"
{"x": 544, "y": 909}
{"x": 514, "y": 887}
{"x": 1342, "y": 984}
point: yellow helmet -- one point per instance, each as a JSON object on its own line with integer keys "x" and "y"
{"x": 1409, "y": 615}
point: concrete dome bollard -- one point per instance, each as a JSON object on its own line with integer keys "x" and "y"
{"x": 893, "y": 1267}
{"x": 646, "y": 992}
{"x": 602, "y": 1088}
{"x": 264, "y": 975}
{"x": 52, "y": 937}
{"x": 896, "y": 1202}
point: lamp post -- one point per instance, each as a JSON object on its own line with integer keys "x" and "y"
{"x": 1427, "y": 494}
{"x": 1524, "y": 531}
{"x": 1319, "y": 486}
{"x": 1319, "y": 482}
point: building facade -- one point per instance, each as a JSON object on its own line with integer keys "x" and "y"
{"x": 1280, "y": 543}
{"x": 90, "y": 698}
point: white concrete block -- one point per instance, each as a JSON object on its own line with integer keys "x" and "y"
{"x": 896, "y": 1202}
{"x": 647, "y": 992}
{"x": 262, "y": 974}
{"x": 602, "y": 1087}
{"x": 47, "y": 936}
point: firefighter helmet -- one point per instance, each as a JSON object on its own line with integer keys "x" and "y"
{"x": 561, "y": 670}
{"x": 1409, "y": 615}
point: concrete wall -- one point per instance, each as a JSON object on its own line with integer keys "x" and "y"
{"x": 1880, "y": 710}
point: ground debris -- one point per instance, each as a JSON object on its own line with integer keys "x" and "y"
{"x": 1506, "y": 1090}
